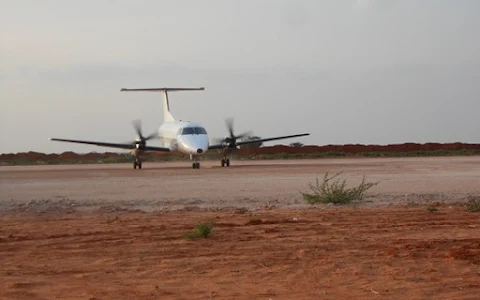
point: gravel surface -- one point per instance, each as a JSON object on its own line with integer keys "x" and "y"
{"x": 249, "y": 184}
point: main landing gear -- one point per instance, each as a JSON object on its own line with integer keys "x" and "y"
{"x": 225, "y": 162}
{"x": 136, "y": 164}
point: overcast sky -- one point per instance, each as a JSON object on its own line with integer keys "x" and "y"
{"x": 346, "y": 71}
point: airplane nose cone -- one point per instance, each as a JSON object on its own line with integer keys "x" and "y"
{"x": 193, "y": 144}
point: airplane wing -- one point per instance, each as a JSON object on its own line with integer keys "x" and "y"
{"x": 217, "y": 146}
{"x": 220, "y": 146}
{"x": 113, "y": 145}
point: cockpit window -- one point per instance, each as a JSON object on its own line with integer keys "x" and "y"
{"x": 200, "y": 130}
{"x": 193, "y": 130}
{"x": 187, "y": 130}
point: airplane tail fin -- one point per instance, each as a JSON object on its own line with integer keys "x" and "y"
{"x": 167, "y": 116}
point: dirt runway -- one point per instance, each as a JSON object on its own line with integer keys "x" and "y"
{"x": 111, "y": 232}
{"x": 250, "y": 184}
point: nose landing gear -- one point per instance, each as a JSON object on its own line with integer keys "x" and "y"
{"x": 196, "y": 163}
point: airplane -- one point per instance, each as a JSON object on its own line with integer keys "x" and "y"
{"x": 188, "y": 137}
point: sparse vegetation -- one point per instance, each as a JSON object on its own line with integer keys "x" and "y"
{"x": 112, "y": 219}
{"x": 333, "y": 190}
{"x": 432, "y": 209}
{"x": 473, "y": 204}
{"x": 200, "y": 230}
{"x": 241, "y": 211}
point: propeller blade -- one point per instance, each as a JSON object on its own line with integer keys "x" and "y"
{"x": 151, "y": 136}
{"x": 137, "y": 125}
{"x": 245, "y": 134}
{"x": 229, "y": 123}
{"x": 232, "y": 138}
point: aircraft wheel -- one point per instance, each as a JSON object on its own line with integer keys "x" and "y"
{"x": 139, "y": 165}
{"x": 228, "y": 163}
{"x": 223, "y": 162}
{"x": 196, "y": 165}
{"x": 134, "y": 164}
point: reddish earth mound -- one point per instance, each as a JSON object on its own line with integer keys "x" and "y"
{"x": 349, "y": 148}
{"x": 357, "y": 148}
{"x": 68, "y": 155}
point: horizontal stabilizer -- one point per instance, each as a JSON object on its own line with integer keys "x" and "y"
{"x": 167, "y": 116}
{"x": 165, "y": 89}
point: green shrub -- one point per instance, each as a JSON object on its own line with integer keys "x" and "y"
{"x": 473, "y": 204}
{"x": 200, "y": 230}
{"x": 336, "y": 191}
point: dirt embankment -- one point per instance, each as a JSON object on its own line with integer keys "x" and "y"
{"x": 277, "y": 149}
{"x": 69, "y": 155}
{"x": 358, "y": 148}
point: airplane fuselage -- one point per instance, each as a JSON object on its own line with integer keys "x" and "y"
{"x": 187, "y": 137}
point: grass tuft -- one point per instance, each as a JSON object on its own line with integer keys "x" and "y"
{"x": 336, "y": 191}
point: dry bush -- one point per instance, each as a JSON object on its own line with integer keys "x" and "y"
{"x": 336, "y": 191}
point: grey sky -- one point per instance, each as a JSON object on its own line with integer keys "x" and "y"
{"x": 351, "y": 71}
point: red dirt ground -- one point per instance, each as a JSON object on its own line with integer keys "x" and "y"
{"x": 386, "y": 253}
{"x": 77, "y": 231}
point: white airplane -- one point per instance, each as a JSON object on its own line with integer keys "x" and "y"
{"x": 188, "y": 137}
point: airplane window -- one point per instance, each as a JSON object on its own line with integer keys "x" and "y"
{"x": 200, "y": 130}
{"x": 187, "y": 130}
{"x": 193, "y": 130}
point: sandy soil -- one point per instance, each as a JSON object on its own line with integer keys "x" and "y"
{"x": 110, "y": 232}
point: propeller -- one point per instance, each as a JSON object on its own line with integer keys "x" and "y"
{"x": 231, "y": 140}
{"x": 141, "y": 140}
